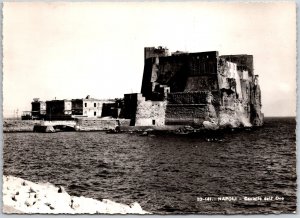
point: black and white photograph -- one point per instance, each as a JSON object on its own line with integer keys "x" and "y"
{"x": 152, "y": 107}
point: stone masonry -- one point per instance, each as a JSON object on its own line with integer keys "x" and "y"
{"x": 197, "y": 89}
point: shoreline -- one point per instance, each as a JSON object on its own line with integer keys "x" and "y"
{"x": 23, "y": 196}
{"x": 114, "y": 126}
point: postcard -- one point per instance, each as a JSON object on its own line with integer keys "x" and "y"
{"x": 149, "y": 107}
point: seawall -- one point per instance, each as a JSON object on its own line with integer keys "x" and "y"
{"x": 92, "y": 124}
{"x": 13, "y": 125}
{"x": 87, "y": 124}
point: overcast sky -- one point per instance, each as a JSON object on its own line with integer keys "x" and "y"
{"x": 70, "y": 50}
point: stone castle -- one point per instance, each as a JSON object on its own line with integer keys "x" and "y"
{"x": 200, "y": 89}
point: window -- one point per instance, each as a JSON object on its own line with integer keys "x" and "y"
{"x": 85, "y": 104}
{"x": 95, "y": 105}
{"x": 95, "y": 113}
{"x": 153, "y": 122}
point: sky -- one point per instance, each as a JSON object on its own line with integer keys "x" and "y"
{"x": 68, "y": 50}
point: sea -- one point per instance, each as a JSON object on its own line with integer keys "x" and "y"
{"x": 243, "y": 172}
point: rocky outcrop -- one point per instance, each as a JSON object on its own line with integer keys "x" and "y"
{"x": 256, "y": 115}
{"x": 22, "y": 196}
{"x": 240, "y": 97}
{"x": 40, "y": 128}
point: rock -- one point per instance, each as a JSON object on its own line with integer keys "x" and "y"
{"x": 136, "y": 207}
{"x": 31, "y": 190}
{"x": 14, "y": 198}
{"x": 188, "y": 128}
{"x": 50, "y": 129}
{"x": 210, "y": 125}
{"x": 144, "y": 133}
{"x": 29, "y": 202}
{"x": 149, "y": 130}
{"x": 27, "y": 197}
{"x": 61, "y": 189}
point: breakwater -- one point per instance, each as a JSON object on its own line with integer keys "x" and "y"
{"x": 22, "y": 196}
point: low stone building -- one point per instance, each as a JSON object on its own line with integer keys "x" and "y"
{"x": 202, "y": 89}
{"x": 76, "y": 108}
{"x": 88, "y": 107}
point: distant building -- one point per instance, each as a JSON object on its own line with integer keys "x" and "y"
{"x": 88, "y": 107}
{"x": 38, "y": 109}
{"x": 76, "y": 108}
{"x": 113, "y": 109}
{"x": 58, "y": 109}
{"x": 26, "y": 115}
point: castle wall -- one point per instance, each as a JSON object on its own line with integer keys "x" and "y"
{"x": 191, "y": 108}
{"x": 130, "y": 107}
{"x": 185, "y": 72}
{"x": 150, "y": 52}
{"x": 150, "y": 113}
{"x": 202, "y": 63}
{"x": 173, "y": 72}
{"x": 188, "y": 114}
{"x": 202, "y": 83}
{"x": 244, "y": 62}
{"x": 189, "y": 72}
{"x": 147, "y": 77}
{"x": 188, "y": 97}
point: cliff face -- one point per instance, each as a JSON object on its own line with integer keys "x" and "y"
{"x": 256, "y": 114}
{"x": 234, "y": 103}
{"x": 240, "y": 96}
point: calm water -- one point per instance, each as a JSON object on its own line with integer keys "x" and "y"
{"x": 165, "y": 173}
